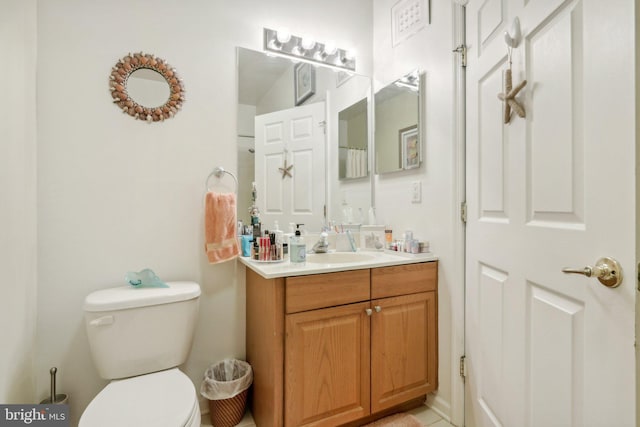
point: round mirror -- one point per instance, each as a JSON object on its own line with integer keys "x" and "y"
{"x": 146, "y": 87}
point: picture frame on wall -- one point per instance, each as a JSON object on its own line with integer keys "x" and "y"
{"x": 409, "y": 147}
{"x": 304, "y": 82}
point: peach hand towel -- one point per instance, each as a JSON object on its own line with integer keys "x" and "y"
{"x": 221, "y": 242}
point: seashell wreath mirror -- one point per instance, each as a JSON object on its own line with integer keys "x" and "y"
{"x": 146, "y": 87}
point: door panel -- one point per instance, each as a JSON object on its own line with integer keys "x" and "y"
{"x": 545, "y": 348}
{"x": 557, "y": 357}
{"x": 557, "y": 198}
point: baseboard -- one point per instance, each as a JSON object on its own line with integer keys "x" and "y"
{"x": 439, "y": 406}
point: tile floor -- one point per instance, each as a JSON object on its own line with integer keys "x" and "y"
{"x": 428, "y": 417}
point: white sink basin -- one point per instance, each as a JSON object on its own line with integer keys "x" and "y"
{"x": 339, "y": 258}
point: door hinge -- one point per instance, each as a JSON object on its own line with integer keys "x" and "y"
{"x": 323, "y": 125}
{"x": 463, "y": 212}
{"x": 462, "y": 49}
{"x": 463, "y": 367}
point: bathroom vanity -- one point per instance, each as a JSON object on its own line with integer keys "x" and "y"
{"x": 341, "y": 342}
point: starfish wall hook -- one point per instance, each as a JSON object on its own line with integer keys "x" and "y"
{"x": 509, "y": 97}
{"x": 286, "y": 170}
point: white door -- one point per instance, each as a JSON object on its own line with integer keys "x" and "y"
{"x": 295, "y": 192}
{"x": 554, "y": 190}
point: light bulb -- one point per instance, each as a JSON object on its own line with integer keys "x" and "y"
{"x": 330, "y": 47}
{"x": 283, "y": 35}
{"x": 307, "y": 43}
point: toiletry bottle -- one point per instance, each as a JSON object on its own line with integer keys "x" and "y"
{"x": 279, "y": 240}
{"x": 286, "y": 238}
{"x": 297, "y": 248}
{"x": 257, "y": 228}
{"x": 388, "y": 237}
{"x": 347, "y": 213}
{"x": 267, "y": 246}
{"x": 279, "y": 233}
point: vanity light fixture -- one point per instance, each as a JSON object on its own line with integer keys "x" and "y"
{"x": 283, "y": 43}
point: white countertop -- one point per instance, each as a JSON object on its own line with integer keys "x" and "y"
{"x": 272, "y": 270}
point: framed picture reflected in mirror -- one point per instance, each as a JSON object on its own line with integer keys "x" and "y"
{"x": 304, "y": 78}
{"x": 409, "y": 147}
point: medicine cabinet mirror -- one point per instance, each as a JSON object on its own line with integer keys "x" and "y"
{"x": 353, "y": 138}
{"x": 267, "y": 120}
{"x": 398, "y": 127}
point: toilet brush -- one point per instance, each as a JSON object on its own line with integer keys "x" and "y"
{"x": 58, "y": 399}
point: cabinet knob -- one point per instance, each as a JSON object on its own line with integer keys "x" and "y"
{"x": 377, "y": 308}
{"x": 368, "y": 311}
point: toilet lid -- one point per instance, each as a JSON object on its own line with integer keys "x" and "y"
{"x": 165, "y": 398}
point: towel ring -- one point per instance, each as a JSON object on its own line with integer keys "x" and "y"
{"x": 219, "y": 172}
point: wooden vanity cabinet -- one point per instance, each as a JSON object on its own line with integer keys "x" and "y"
{"x": 329, "y": 349}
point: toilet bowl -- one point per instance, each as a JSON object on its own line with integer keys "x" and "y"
{"x": 138, "y": 337}
{"x": 160, "y": 399}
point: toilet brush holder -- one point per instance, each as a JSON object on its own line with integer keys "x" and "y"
{"x": 57, "y": 399}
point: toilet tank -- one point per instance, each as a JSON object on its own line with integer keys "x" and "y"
{"x": 135, "y": 331}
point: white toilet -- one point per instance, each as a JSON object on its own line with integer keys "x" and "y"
{"x": 138, "y": 337}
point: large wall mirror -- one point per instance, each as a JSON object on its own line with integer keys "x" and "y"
{"x": 292, "y": 153}
{"x": 398, "y": 127}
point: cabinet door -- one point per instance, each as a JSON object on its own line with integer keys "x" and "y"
{"x": 403, "y": 349}
{"x": 327, "y": 366}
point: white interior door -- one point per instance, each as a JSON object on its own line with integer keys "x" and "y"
{"x": 297, "y": 137}
{"x": 554, "y": 190}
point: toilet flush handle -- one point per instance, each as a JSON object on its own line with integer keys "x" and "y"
{"x": 102, "y": 321}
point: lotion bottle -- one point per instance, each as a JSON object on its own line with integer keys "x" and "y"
{"x": 297, "y": 248}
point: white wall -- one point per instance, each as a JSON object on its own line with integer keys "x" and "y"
{"x": 436, "y": 218}
{"x": 18, "y": 195}
{"x": 116, "y": 194}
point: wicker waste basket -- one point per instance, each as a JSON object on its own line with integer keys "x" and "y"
{"x": 226, "y": 385}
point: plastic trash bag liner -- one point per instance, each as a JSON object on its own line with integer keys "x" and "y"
{"x": 226, "y": 379}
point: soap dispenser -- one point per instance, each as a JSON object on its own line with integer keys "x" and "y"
{"x": 297, "y": 248}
